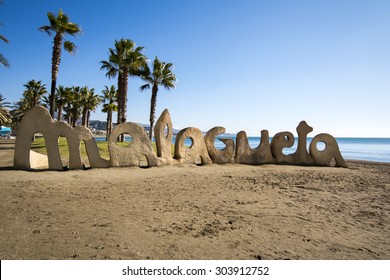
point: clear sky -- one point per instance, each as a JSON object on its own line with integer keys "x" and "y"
{"x": 244, "y": 65}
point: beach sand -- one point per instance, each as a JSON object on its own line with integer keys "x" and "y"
{"x": 196, "y": 212}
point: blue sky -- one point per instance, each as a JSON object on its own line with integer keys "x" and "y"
{"x": 244, "y": 65}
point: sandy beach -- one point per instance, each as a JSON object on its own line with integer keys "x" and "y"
{"x": 196, "y": 212}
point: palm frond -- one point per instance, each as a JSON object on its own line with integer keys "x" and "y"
{"x": 70, "y": 47}
{"x": 144, "y": 87}
{"x": 4, "y": 39}
{"x": 4, "y": 61}
{"x": 46, "y": 28}
{"x": 53, "y": 20}
{"x": 4, "y": 103}
{"x": 5, "y": 116}
{"x": 109, "y": 67}
{"x": 72, "y": 29}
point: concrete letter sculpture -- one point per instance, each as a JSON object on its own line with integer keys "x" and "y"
{"x": 260, "y": 155}
{"x": 164, "y": 142}
{"x": 280, "y": 141}
{"x": 301, "y": 156}
{"x": 197, "y": 149}
{"x": 226, "y": 155}
{"x": 139, "y": 147}
{"x": 38, "y": 119}
{"x": 330, "y": 152}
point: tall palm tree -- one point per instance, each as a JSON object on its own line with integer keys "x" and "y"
{"x": 33, "y": 92}
{"x": 5, "y": 116}
{"x": 60, "y": 26}
{"x": 109, "y": 96}
{"x": 3, "y": 60}
{"x": 162, "y": 75}
{"x": 125, "y": 60}
{"x": 90, "y": 102}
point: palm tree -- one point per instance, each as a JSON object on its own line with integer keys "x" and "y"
{"x": 45, "y": 102}
{"x": 60, "y": 100}
{"x": 109, "y": 96}
{"x": 33, "y": 92}
{"x": 3, "y": 60}
{"x": 124, "y": 61}
{"x": 60, "y": 25}
{"x": 31, "y": 97}
{"x": 84, "y": 93}
{"x": 162, "y": 75}
{"x": 5, "y": 116}
{"x": 90, "y": 102}
{"x": 73, "y": 105}
{"x": 18, "y": 110}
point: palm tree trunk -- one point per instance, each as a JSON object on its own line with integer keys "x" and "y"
{"x": 59, "y": 112}
{"x": 153, "y": 103}
{"x": 109, "y": 124}
{"x": 122, "y": 113}
{"x": 88, "y": 115}
{"x": 120, "y": 105}
{"x": 124, "y": 95}
{"x": 124, "y": 99}
{"x": 74, "y": 116}
{"x": 74, "y": 121}
{"x": 55, "y": 64}
{"x": 84, "y": 116}
{"x": 119, "y": 97}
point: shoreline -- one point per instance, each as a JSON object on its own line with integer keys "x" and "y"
{"x": 230, "y": 211}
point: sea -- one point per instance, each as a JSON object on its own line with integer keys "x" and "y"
{"x": 366, "y": 149}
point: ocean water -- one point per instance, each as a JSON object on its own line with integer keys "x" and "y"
{"x": 368, "y": 149}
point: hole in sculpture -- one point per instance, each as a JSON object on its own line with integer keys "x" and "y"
{"x": 286, "y": 151}
{"x": 63, "y": 147}
{"x": 321, "y": 146}
{"x": 84, "y": 159}
{"x": 166, "y": 131}
{"x": 290, "y": 150}
{"x": 188, "y": 142}
{"x": 128, "y": 138}
{"x": 126, "y": 141}
{"x": 38, "y": 153}
{"x": 253, "y": 142}
{"x": 219, "y": 145}
{"x": 143, "y": 162}
{"x": 332, "y": 162}
{"x": 286, "y": 138}
{"x": 198, "y": 161}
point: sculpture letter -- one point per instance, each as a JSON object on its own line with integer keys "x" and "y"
{"x": 226, "y": 155}
{"x": 260, "y": 155}
{"x": 164, "y": 143}
{"x": 197, "y": 149}
{"x": 139, "y": 146}
{"x": 330, "y": 152}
